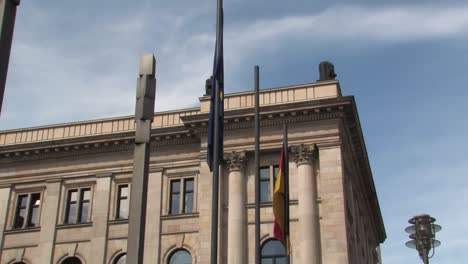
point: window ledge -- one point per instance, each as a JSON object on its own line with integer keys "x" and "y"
{"x": 22, "y": 230}
{"x": 180, "y": 216}
{"x": 270, "y": 203}
{"x": 78, "y": 225}
{"x": 117, "y": 221}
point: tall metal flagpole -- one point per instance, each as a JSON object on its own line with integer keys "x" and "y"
{"x": 7, "y": 25}
{"x": 216, "y": 154}
{"x": 257, "y": 165}
{"x": 144, "y": 113}
{"x": 215, "y": 187}
{"x": 286, "y": 191}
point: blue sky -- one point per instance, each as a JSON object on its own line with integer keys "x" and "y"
{"x": 404, "y": 61}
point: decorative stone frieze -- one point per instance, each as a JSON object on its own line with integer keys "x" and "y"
{"x": 303, "y": 154}
{"x": 235, "y": 160}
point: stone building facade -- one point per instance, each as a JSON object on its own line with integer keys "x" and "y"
{"x": 64, "y": 189}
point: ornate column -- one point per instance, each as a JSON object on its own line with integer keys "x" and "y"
{"x": 237, "y": 214}
{"x": 308, "y": 225}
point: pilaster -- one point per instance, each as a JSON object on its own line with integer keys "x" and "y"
{"x": 49, "y": 216}
{"x": 204, "y": 200}
{"x": 100, "y": 217}
{"x": 4, "y": 202}
{"x": 333, "y": 222}
{"x": 153, "y": 218}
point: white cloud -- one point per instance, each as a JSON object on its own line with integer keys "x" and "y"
{"x": 362, "y": 24}
{"x": 90, "y": 73}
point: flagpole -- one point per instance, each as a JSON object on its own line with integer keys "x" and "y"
{"x": 216, "y": 154}
{"x": 215, "y": 187}
{"x": 286, "y": 190}
{"x": 257, "y": 166}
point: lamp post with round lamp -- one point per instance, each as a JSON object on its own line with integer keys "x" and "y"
{"x": 422, "y": 233}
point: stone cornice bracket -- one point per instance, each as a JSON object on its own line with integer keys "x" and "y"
{"x": 235, "y": 160}
{"x": 304, "y": 154}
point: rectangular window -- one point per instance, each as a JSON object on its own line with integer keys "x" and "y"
{"x": 33, "y": 212}
{"x": 175, "y": 197}
{"x": 275, "y": 173}
{"x": 181, "y": 197}
{"x": 77, "y": 207}
{"x": 83, "y": 211}
{"x": 265, "y": 184}
{"x": 122, "y": 202}
{"x": 188, "y": 196}
{"x": 27, "y": 210}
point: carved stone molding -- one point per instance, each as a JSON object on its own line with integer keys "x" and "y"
{"x": 235, "y": 160}
{"x": 303, "y": 154}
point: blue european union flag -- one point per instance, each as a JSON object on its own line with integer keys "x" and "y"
{"x": 217, "y": 78}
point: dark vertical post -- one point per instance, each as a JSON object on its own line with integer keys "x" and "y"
{"x": 144, "y": 112}
{"x": 216, "y": 154}
{"x": 286, "y": 189}
{"x": 7, "y": 25}
{"x": 215, "y": 187}
{"x": 257, "y": 165}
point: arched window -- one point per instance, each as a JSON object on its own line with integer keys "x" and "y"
{"x": 180, "y": 256}
{"x": 273, "y": 253}
{"x": 72, "y": 260}
{"x": 121, "y": 259}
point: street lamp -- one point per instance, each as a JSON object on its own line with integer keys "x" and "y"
{"x": 7, "y": 25}
{"x": 422, "y": 233}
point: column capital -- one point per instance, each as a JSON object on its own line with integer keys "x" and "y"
{"x": 304, "y": 154}
{"x": 235, "y": 160}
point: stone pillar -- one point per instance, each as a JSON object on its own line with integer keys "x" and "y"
{"x": 308, "y": 225}
{"x": 237, "y": 214}
{"x": 100, "y": 215}
{"x": 4, "y": 201}
{"x": 204, "y": 209}
{"x": 153, "y": 217}
{"x": 49, "y": 215}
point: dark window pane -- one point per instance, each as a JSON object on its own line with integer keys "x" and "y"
{"x": 21, "y": 211}
{"x": 34, "y": 216}
{"x": 85, "y": 194}
{"x": 265, "y": 173}
{"x": 72, "y": 195}
{"x": 123, "y": 190}
{"x": 175, "y": 197}
{"x": 264, "y": 191}
{"x": 35, "y": 199}
{"x": 181, "y": 257}
{"x": 281, "y": 260}
{"x": 71, "y": 214}
{"x": 267, "y": 261}
{"x": 121, "y": 260}
{"x": 23, "y": 200}
{"x": 175, "y": 186}
{"x": 275, "y": 172}
{"x": 72, "y": 260}
{"x": 34, "y": 209}
{"x": 189, "y": 185}
{"x": 123, "y": 209}
{"x": 20, "y": 218}
{"x": 84, "y": 212}
{"x": 188, "y": 202}
{"x": 273, "y": 248}
{"x": 174, "y": 204}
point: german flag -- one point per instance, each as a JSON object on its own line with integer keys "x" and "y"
{"x": 280, "y": 202}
